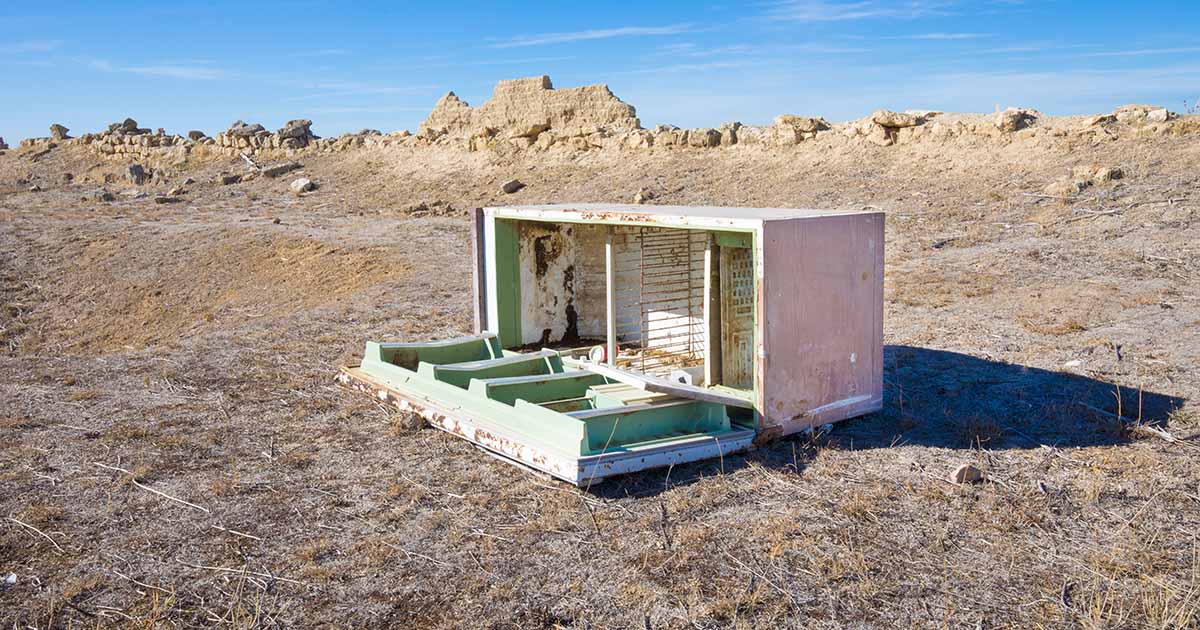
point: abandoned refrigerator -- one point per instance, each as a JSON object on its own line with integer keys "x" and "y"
{"x": 615, "y": 338}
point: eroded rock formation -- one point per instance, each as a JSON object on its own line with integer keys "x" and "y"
{"x": 531, "y": 115}
{"x": 521, "y": 111}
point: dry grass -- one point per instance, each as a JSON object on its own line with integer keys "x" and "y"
{"x": 194, "y": 346}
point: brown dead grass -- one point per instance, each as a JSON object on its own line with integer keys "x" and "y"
{"x": 194, "y": 345}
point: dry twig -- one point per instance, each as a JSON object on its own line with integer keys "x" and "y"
{"x": 39, "y": 532}
{"x": 149, "y": 489}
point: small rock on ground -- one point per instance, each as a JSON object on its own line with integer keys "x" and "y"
{"x": 302, "y": 185}
{"x": 511, "y": 186}
{"x": 966, "y": 473}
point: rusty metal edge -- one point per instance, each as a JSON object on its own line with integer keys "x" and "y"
{"x": 579, "y": 471}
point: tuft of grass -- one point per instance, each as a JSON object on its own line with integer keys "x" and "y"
{"x": 1061, "y": 328}
{"x": 976, "y": 432}
{"x": 84, "y": 394}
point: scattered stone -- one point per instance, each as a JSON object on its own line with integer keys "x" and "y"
{"x": 227, "y": 180}
{"x": 704, "y": 138}
{"x": 1107, "y": 173}
{"x": 729, "y": 133}
{"x": 511, "y": 186}
{"x": 35, "y": 188}
{"x": 1099, "y": 119}
{"x": 134, "y": 193}
{"x": 67, "y": 178}
{"x": 196, "y": 135}
{"x": 276, "y": 221}
{"x": 105, "y": 196}
{"x": 161, "y": 199}
{"x": 302, "y": 185}
{"x": 1066, "y": 187}
{"x": 3, "y": 144}
{"x": 240, "y": 129}
{"x": 1160, "y": 115}
{"x": 894, "y": 120}
{"x": 298, "y": 128}
{"x": 438, "y": 208}
{"x": 59, "y": 132}
{"x": 1012, "y": 119}
{"x": 188, "y": 182}
{"x": 296, "y": 134}
{"x": 805, "y": 124}
{"x": 966, "y": 473}
{"x": 1095, "y": 174}
{"x": 1134, "y": 113}
{"x": 176, "y": 191}
{"x": 642, "y": 196}
{"x": 128, "y": 127}
{"x": 284, "y": 168}
{"x": 136, "y": 174}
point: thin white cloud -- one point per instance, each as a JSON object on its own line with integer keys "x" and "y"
{"x": 830, "y": 11}
{"x": 824, "y": 49}
{"x": 383, "y": 109}
{"x": 323, "y": 52}
{"x": 1142, "y": 52}
{"x": 689, "y": 67}
{"x": 200, "y": 72}
{"x": 494, "y": 62}
{"x": 603, "y": 33}
{"x": 36, "y": 46}
{"x": 941, "y": 36}
{"x": 329, "y": 89}
{"x": 688, "y": 49}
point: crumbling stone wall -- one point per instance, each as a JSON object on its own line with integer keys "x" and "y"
{"x": 531, "y": 115}
{"x": 522, "y": 111}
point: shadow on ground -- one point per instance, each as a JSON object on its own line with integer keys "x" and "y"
{"x": 951, "y": 400}
{"x": 946, "y": 399}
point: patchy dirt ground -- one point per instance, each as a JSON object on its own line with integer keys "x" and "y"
{"x": 187, "y": 349}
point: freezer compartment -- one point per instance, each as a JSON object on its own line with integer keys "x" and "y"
{"x": 531, "y": 407}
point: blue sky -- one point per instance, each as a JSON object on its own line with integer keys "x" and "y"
{"x": 382, "y": 65}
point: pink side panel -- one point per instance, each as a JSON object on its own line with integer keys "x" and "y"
{"x": 823, "y": 324}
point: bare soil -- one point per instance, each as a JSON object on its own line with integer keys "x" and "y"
{"x": 192, "y": 346}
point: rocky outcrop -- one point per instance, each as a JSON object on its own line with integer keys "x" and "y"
{"x": 126, "y": 140}
{"x": 521, "y": 111}
{"x": 296, "y": 134}
{"x": 1142, "y": 114}
{"x": 531, "y": 115}
{"x": 1014, "y": 119}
